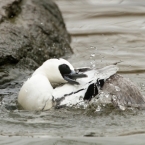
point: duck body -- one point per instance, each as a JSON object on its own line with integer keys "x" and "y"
{"x": 37, "y": 92}
{"x": 116, "y": 90}
{"x": 89, "y": 87}
{"x": 123, "y": 92}
{"x": 81, "y": 84}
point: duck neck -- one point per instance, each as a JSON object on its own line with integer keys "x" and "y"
{"x": 40, "y": 71}
{"x": 52, "y": 74}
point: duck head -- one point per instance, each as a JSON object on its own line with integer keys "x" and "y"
{"x": 59, "y": 71}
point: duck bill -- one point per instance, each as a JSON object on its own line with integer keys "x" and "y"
{"x": 72, "y": 76}
{"x": 71, "y": 81}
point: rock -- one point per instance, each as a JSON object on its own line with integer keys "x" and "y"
{"x": 32, "y": 31}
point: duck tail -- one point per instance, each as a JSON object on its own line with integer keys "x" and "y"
{"x": 106, "y": 72}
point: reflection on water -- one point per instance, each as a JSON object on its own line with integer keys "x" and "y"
{"x": 103, "y": 32}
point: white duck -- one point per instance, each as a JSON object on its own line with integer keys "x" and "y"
{"x": 38, "y": 94}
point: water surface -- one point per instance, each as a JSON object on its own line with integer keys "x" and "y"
{"x": 103, "y": 32}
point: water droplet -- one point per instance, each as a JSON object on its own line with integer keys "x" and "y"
{"x": 114, "y": 97}
{"x": 122, "y": 107}
{"x": 98, "y": 108}
{"x": 104, "y": 105}
{"x": 117, "y": 88}
{"x": 111, "y": 84}
{"x": 107, "y": 95}
{"x": 93, "y": 55}
{"x": 92, "y": 47}
{"x": 93, "y": 64}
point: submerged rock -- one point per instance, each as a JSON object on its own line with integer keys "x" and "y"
{"x": 31, "y": 31}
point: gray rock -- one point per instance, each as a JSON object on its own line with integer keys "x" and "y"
{"x": 31, "y": 31}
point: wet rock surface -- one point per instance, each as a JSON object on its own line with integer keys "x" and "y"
{"x": 31, "y": 31}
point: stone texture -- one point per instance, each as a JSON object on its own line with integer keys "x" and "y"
{"x": 31, "y": 30}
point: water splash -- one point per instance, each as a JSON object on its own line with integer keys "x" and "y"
{"x": 121, "y": 107}
{"x": 92, "y": 55}
{"x": 98, "y": 108}
{"x": 93, "y": 65}
{"x": 114, "y": 98}
{"x": 117, "y": 88}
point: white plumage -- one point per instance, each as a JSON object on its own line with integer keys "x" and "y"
{"x": 69, "y": 94}
{"x": 37, "y": 92}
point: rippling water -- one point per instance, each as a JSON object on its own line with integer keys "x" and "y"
{"x": 103, "y": 32}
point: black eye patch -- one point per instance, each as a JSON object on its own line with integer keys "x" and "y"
{"x": 70, "y": 75}
{"x": 64, "y": 69}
